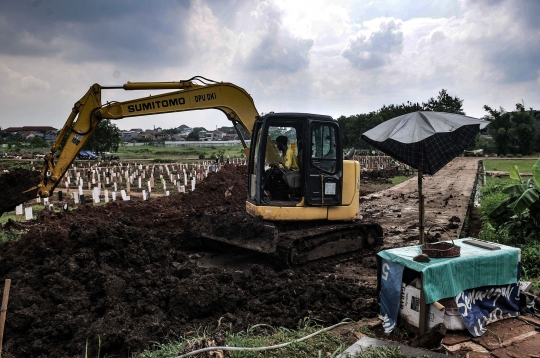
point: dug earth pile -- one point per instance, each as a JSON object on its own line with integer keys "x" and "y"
{"x": 128, "y": 274}
{"x": 14, "y": 188}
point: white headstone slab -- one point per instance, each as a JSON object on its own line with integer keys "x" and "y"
{"x": 19, "y": 209}
{"x": 28, "y": 213}
{"x": 95, "y": 194}
{"x": 106, "y": 194}
{"x": 124, "y": 196}
{"x": 113, "y": 195}
{"x": 76, "y": 197}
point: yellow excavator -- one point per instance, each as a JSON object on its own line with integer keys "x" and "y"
{"x": 313, "y": 212}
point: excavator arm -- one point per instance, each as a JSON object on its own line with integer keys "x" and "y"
{"x": 88, "y": 112}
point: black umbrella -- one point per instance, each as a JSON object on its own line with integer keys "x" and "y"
{"x": 424, "y": 140}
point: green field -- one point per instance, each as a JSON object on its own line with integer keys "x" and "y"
{"x": 504, "y": 165}
{"x": 172, "y": 154}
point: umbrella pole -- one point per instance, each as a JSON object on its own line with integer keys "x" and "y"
{"x": 420, "y": 200}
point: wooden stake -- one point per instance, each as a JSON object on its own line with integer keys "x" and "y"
{"x": 3, "y": 311}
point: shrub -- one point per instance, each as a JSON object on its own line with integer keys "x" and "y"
{"x": 202, "y": 156}
{"x": 509, "y": 155}
{"x": 518, "y": 155}
{"x": 530, "y": 256}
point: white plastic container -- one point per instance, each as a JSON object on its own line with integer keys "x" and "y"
{"x": 410, "y": 310}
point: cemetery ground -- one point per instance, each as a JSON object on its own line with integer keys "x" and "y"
{"x": 128, "y": 274}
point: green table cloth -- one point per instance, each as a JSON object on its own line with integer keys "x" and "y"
{"x": 447, "y": 277}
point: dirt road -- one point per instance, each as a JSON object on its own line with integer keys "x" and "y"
{"x": 446, "y": 193}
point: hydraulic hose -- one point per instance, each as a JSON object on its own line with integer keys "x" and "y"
{"x": 256, "y": 349}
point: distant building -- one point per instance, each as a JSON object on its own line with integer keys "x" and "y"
{"x": 129, "y": 135}
{"x": 212, "y": 136}
{"x": 47, "y": 133}
{"x": 184, "y": 128}
{"x": 146, "y": 135}
{"x": 30, "y": 129}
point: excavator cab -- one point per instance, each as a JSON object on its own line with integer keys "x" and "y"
{"x": 315, "y": 140}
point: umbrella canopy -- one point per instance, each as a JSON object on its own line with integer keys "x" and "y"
{"x": 435, "y": 138}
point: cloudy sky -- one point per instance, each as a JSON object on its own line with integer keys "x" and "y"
{"x": 319, "y": 56}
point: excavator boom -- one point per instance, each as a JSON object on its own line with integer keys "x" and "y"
{"x": 88, "y": 112}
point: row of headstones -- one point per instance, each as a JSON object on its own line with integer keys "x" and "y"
{"x": 377, "y": 162}
{"x": 195, "y": 173}
{"x": 78, "y": 196}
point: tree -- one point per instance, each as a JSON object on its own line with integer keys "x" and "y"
{"x": 38, "y": 142}
{"x": 444, "y": 103}
{"x": 513, "y": 132}
{"x": 194, "y": 135}
{"x": 106, "y": 138}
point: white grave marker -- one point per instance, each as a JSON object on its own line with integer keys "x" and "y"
{"x": 95, "y": 194}
{"x": 28, "y": 213}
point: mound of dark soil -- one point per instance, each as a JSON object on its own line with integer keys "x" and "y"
{"x": 15, "y": 187}
{"x": 127, "y": 274}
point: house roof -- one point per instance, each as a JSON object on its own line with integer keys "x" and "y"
{"x": 30, "y": 128}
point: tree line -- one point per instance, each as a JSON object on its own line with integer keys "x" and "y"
{"x": 511, "y": 132}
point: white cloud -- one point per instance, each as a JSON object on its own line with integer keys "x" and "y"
{"x": 18, "y": 84}
{"x": 278, "y": 49}
{"x": 374, "y": 44}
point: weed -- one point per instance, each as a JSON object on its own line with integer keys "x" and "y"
{"x": 11, "y": 235}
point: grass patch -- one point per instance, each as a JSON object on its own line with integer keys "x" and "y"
{"x": 322, "y": 345}
{"x": 11, "y": 214}
{"x": 11, "y": 235}
{"x": 171, "y": 154}
{"x": 502, "y": 165}
{"x": 400, "y": 179}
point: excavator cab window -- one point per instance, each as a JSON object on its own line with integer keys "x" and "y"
{"x": 281, "y": 185}
{"x": 324, "y": 147}
{"x": 324, "y": 174}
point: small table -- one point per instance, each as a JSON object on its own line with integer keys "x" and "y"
{"x": 447, "y": 277}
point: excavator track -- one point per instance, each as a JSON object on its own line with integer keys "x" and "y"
{"x": 302, "y": 246}
{"x": 289, "y": 243}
